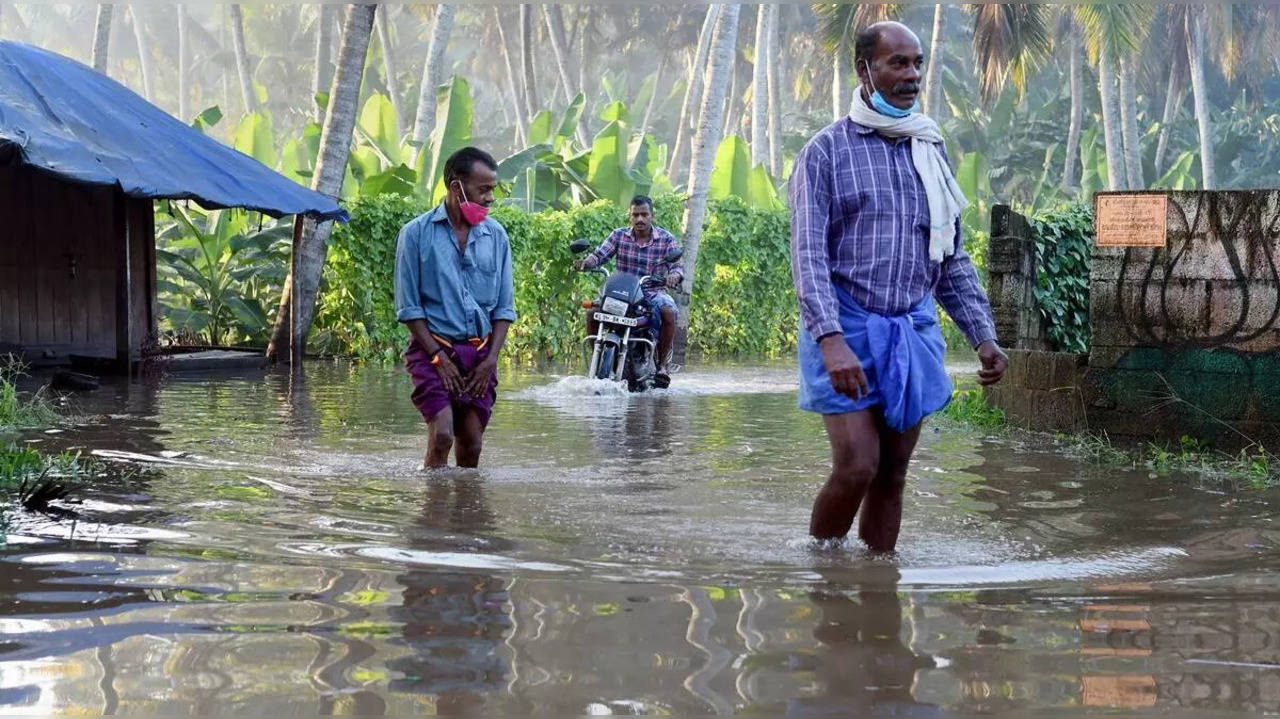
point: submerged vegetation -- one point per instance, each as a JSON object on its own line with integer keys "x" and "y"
{"x": 16, "y": 410}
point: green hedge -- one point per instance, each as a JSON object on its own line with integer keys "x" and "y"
{"x": 1064, "y": 243}
{"x": 743, "y": 302}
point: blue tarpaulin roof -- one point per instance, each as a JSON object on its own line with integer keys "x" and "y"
{"x": 67, "y": 119}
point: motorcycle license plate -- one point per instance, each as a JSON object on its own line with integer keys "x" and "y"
{"x": 616, "y": 320}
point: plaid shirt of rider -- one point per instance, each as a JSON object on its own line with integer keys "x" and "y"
{"x": 637, "y": 259}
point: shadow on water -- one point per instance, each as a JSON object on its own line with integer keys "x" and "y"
{"x": 616, "y": 554}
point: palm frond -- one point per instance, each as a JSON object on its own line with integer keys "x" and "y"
{"x": 839, "y": 23}
{"x": 1009, "y": 40}
{"x": 1113, "y": 29}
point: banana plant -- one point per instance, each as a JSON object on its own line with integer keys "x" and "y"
{"x": 733, "y": 176}
{"x": 216, "y": 273}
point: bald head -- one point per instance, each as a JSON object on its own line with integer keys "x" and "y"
{"x": 887, "y": 31}
{"x": 888, "y": 57}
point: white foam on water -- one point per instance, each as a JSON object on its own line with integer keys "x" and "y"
{"x": 577, "y": 388}
{"x": 1110, "y": 565}
{"x": 461, "y": 560}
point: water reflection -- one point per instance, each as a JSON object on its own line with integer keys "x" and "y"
{"x": 863, "y": 666}
{"x": 453, "y": 623}
{"x": 619, "y": 554}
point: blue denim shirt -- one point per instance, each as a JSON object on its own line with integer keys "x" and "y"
{"x": 458, "y": 294}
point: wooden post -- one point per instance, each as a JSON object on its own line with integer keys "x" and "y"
{"x": 124, "y": 284}
{"x": 295, "y": 351}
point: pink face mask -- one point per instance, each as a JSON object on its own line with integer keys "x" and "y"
{"x": 472, "y": 213}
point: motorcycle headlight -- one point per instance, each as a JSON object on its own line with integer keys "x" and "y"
{"x": 614, "y": 306}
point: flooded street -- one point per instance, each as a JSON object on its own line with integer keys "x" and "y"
{"x": 276, "y": 549}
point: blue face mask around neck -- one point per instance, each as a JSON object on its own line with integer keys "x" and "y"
{"x": 882, "y": 105}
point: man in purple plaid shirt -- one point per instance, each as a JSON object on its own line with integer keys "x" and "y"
{"x": 875, "y": 239}
{"x": 640, "y": 249}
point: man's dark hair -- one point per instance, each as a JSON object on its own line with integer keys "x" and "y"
{"x": 864, "y": 45}
{"x": 642, "y": 200}
{"x": 460, "y": 163}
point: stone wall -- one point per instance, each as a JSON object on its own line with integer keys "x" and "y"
{"x": 1185, "y": 339}
{"x": 1011, "y": 279}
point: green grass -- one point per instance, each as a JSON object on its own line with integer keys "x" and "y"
{"x": 1253, "y": 465}
{"x": 20, "y": 464}
{"x": 969, "y": 406}
{"x": 17, "y": 411}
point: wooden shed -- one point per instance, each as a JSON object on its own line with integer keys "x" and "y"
{"x": 82, "y": 158}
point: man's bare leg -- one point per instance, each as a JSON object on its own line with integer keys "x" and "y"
{"x": 855, "y": 459}
{"x": 470, "y": 438}
{"x": 439, "y": 439}
{"x": 882, "y": 506}
{"x": 667, "y": 336}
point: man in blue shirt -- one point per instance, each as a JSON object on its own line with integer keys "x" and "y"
{"x": 454, "y": 291}
{"x": 875, "y": 239}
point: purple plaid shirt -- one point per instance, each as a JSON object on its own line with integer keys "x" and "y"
{"x": 860, "y": 220}
{"x": 637, "y": 259}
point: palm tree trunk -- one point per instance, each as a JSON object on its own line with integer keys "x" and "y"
{"x": 389, "y": 67}
{"x": 303, "y": 283}
{"x": 554, "y": 18}
{"x": 1129, "y": 124}
{"x": 731, "y": 99}
{"x": 433, "y": 75}
{"x": 653, "y": 98}
{"x": 517, "y": 99}
{"x": 324, "y": 42}
{"x": 184, "y": 103}
{"x": 1072, "y": 161}
{"x": 693, "y": 92}
{"x": 1195, "y": 56}
{"x": 773, "y": 78}
{"x": 838, "y": 107}
{"x": 759, "y": 90}
{"x": 705, "y": 144}
{"x": 102, "y": 37}
{"x": 531, "y": 104}
{"x": 242, "y": 60}
{"x": 560, "y": 46}
{"x": 144, "y": 62}
{"x": 581, "y": 32}
{"x": 1172, "y": 98}
{"x": 933, "y": 74}
{"x": 1116, "y": 174}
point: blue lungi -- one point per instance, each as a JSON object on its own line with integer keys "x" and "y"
{"x": 903, "y": 357}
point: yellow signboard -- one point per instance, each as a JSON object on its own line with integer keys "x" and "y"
{"x": 1130, "y": 220}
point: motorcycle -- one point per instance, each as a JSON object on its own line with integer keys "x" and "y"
{"x": 625, "y": 344}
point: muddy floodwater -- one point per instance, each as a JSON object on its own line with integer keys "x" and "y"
{"x": 274, "y": 548}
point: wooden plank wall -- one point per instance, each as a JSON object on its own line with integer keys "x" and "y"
{"x": 58, "y": 267}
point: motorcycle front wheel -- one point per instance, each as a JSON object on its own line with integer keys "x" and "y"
{"x": 605, "y": 369}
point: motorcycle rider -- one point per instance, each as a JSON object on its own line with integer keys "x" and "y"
{"x": 641, "y": 249}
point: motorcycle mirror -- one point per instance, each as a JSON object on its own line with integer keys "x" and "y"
{"x": 673, "y": 254}
{"x": 579, "y": 246}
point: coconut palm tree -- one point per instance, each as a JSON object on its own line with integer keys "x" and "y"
{"x": 759, "y": 91}
{"x": 389, "y": 66}
{"x": 531, "y": 105}
{"x": 432, "y": 75}
{"x": 518, "y": 105}
{"x": 933, "y": 69}
{"x": 707, "y": 140}
{"x": 102, "y": 37}
{"x": 693, "y": 91}
{"x": 1009, "y": 39}
{"x": 773, "y": 77}
{"x": 242, "y": 59}
{"x": 303, "y": 282}
{"x": 1075, "y": 60}
{"x": 324, "y": 42}
{"x": 1195, "y": 33}
{"x": 184, "y": 57}
{"x": 144, "y": 60}
{"x": 1129, "y": 123}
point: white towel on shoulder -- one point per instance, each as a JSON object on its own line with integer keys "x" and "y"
{"x": 946, "y": 201}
